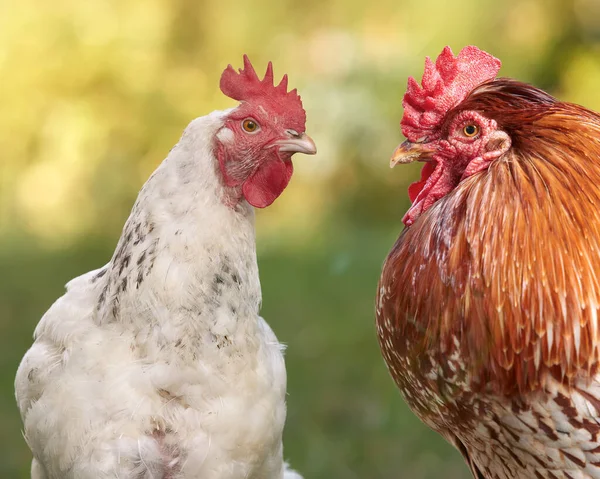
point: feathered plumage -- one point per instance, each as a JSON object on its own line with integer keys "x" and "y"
{"x": 487, "y": 309}
{"x": 158, "y": 364}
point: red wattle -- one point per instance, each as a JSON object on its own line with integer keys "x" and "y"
{"x": 267, "y": 183}
{"x": 416, "y": 188}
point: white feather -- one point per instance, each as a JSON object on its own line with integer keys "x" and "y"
{"x": 158, "y": 365}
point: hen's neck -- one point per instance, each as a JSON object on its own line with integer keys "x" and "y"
{"x": 184, "y": 254}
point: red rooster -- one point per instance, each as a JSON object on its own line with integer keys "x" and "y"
{"x": 488, "y": 304}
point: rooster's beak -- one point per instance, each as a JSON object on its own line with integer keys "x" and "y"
{"x": 298, "y": 143}
{"x": 408, "y": 152}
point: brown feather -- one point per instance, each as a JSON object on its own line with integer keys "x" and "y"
{"x": 505, "y": 266}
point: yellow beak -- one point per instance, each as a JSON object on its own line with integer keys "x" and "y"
{"x": 298, "y": 144}
{"x": 408, "y": 152}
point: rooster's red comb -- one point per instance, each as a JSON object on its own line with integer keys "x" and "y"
{"x": 445, "y": 84}
{"x": 246, "y": 86}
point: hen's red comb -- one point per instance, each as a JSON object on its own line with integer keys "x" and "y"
{"x": 246, "y": 86}
{"x": 445, "y": 84}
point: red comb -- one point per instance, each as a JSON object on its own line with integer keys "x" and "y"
{"x": 445, "y": 84}
{"x": 246, "y": 86}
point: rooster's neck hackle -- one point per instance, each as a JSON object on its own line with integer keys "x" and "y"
{"x": 488, "y": 304}
{"x": 504, "y": 267}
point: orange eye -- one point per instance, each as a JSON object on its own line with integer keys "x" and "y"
{"x": 250, "y": 126}
{"x": 470, "y": 131}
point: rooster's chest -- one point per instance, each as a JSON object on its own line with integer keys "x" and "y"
{"x": 437, "y": 387}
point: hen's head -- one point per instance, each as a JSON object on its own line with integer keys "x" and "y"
{"x": 455, "y": 143}
{"x": 259, "y": 137}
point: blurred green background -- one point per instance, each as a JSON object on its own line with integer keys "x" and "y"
{"x": 94, "y": 93}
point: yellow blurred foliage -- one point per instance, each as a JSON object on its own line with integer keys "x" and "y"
{"x": 95, "y": 93}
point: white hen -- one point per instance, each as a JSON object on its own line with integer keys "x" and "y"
{"x": 158, "y": 364}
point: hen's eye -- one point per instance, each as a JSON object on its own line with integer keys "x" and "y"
{"x": 250, "y": 126}
{"x": 470, "y": 130}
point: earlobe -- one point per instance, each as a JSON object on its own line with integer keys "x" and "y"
{"x": 497, "y": 144}
{"x": 225, "y": 135}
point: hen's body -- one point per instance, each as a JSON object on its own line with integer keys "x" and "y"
{"x": 487, "y": 309}
{"x": 158, "y": 365}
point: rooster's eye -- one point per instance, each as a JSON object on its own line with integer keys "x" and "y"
{"x": 470, "y": 130}
{"x": 250, "y": 126}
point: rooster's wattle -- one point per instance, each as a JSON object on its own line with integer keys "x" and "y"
{"x": 488, "y": 303}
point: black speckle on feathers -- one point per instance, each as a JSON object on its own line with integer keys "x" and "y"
{"x": 139, "y": 234}
{"x": 115, "y": 306}
{"x": 121, "y": 275}
{"x": 101, "y": 273}
{"x": 124, "y": 263}
{"x": 226, "y": 265}
{"x": 140, "y": 279}
{"x": 102, "y": 297}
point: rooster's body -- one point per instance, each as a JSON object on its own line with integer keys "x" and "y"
{"x": 158, "y": 365}
{"x": 488, "y": 304}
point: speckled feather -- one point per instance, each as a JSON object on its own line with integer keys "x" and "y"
{"x": 487, "y": 308}
{"x": 158, "y": 364}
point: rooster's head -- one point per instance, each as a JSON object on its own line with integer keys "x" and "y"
{"x": 455, "y": 143}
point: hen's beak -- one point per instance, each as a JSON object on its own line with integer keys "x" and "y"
{"x": 298, "y": 143}
{"x": 408, "y": 152}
